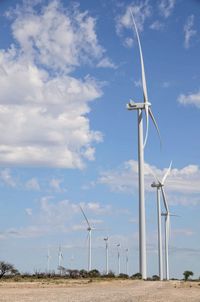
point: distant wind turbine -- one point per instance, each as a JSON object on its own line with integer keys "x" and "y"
{"x": 48, "y": 260}
{"x": 60, "y": 258}
{"x": 89, "y": 229}
{"x": 127, "y": 266}
{"x": 106, "y": 242}
{"x": 140, "y": 107}
{"x": 118, "y": 258}
{"x": 159, "y": 187}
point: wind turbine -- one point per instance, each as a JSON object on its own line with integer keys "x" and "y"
{"x": 118, "y": 257}
{"x": 60, "y": 258}
{"x": 159, "y": 187}
{"x": 89, "y": 229}
{"x": 127, "y": 271}
{"x": 48, "y": 260}
{"x": 106, "y": 242}
{"x": 140, "y": 107}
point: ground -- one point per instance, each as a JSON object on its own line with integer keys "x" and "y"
{"x": 99, "y": 291}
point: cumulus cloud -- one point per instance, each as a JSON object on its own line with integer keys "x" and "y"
{"x": 190, "y": 99}
{"x": 180, "y": 181}
{"x": 189, "y": 31}
{"x": 166, "y": 7}
{"x": 43, "y": 110}
{"x": 140, "y": 9}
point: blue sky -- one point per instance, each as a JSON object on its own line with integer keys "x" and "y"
{"x": 67, "y": 70}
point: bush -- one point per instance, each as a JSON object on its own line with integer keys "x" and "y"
{"x": 124, "y": 276}
{"x": 94, "y": 273}
{"x": 155, "y": 278}
{"x": 136, "y": 276}
{"x": 83, "y": 273}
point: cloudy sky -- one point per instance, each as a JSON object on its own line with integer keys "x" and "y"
{"x": 67, "y": 70}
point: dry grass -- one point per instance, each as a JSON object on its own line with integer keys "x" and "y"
{"x": 99, "y": 291}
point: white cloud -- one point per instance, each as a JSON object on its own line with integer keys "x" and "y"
{"x": 189, "y": 32}
{"x": 43, "y": 110}
{"x": 190, "y": 99}
{"x": 32, "y": 184}
{"x": 106, "y": 63}
{"x": 157, "y": 25}
{"x": 57, "y": 37}
{"x": 56, "y": 185}
{"x": 7, "y": 178}
{"x": 140, "y": 9}
{"x": 180, "y": 181}
{"x": 166, "y": 7}
{"x": 128, "y": 42}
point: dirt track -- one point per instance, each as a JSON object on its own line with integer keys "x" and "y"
{"x": 101, "y": 291}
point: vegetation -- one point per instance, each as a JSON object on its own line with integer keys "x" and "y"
{"x": 187, "y": 274}
{"x": 7, "y": 269}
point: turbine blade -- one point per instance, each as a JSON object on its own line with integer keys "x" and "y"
{"x": 153, "y": 174}
{"x": 144, "y": 86}
{"x": 85, "y": 216}
{"x": 146, "y": 107}
{"x": 155, "y": 124}
{"x": 165, "y": 200}
{"x": 167, "y": 173}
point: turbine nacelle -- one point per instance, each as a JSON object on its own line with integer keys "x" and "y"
{"x": 135, "y": 106}
{"x": 157, "y": 185}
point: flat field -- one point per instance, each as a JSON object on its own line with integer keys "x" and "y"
{"x": 99, "y": 291}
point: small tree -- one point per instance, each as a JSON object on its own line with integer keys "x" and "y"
{"x": 7, "y": 268}
{"x": 137, "y": 276}
{"x": 187, "y": 274}
{"x": 94, "y": 273}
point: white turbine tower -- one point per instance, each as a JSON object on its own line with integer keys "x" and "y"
{"x": 140, "y": 107}
{"x": 127, "y": 267}
{"x": 89, "y": 229}
{"x": 118, "y": 258}
{"x": 106, "y": 242}
{"x": 159, "y": 185}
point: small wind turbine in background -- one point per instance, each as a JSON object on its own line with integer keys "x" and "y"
{"x": 48, "y": 260}
{"x": 106, "y": 242}
{"x": 118, "y": 258}
{"x": 140, "y": 107}
{"x": 60, "y": 259}
{"x": 127, "y": 266}
{"x": 89, "y": 229}
{"x": 159, "y": 185}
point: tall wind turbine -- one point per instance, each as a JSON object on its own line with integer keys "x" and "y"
{"x": 89, "y": 229}
{"x": 140, "y": 107}
{"x": 159, "y": 187}
{"x": 106, "y": 242}
{"x": 118, "y": 258}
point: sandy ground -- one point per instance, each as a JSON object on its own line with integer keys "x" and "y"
{"x": 101, "y": 291}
